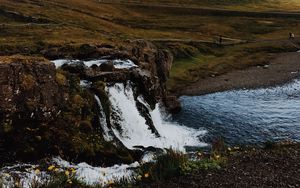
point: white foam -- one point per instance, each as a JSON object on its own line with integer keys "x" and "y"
{"x": 25, "y": 175}
{"x": 103, "y": 123}
{"x": 59, "y": 62}
{"x": 99, "y": 175}
{"x": 85, "y": 83}
{"x": 118, "y": 63}
{"x": 21, "y": 175}
{"x": 135, "y": 131}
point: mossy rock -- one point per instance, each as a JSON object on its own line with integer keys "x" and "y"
{"x": 85, "y": 126}
{"x": 99, "y": 88}
{"x": 27, "y": 82}
{"x": 61, "y": 79}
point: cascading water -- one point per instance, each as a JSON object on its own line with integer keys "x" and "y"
{"x": 126, "y": 124}
{"x": 119, "y": 64}
{"x": 134, "y": 130}
{"x": 102, "y": 119}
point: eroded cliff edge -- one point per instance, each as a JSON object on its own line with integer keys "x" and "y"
{"x": 44, "y": 111}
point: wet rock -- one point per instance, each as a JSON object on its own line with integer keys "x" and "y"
{"x": 107, "y": 66}
{"x": 74, "y": 67}
{"x": 172, "y": 104}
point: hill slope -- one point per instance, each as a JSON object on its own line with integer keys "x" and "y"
{"x": 91, "y": 21}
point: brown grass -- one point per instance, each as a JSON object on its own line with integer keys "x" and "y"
{"x": 75, "y": 22}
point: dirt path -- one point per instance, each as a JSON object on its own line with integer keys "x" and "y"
{"x": 282, "y": 69}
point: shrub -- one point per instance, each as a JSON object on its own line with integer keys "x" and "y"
{"x": 175, "y": 163}
{"x": 166, "y": 166}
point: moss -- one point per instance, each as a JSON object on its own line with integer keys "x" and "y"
{"x": 7, "y": 126}
{"x": 61, "y": 79}
{"x": 77, "y": 100}
{"x": 180, "y": 50}
{"x": 174, "y": 163}
{"x": 74, "y": 81}
{"x": 27, "y": 82}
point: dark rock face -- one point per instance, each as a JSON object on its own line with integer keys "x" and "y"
{"x": 172, "y": 104}
{"x": 155, "y": 63}
{"x": 29, "y": 87}
{"x": 31, "y": 99}
{"x": 44, "y": 111}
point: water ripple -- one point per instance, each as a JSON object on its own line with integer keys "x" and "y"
{"x": 246, "y": 116}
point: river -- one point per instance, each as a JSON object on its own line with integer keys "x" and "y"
{"x": 245, "y": 116}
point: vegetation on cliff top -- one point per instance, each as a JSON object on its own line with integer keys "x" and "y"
{"x": 32, "y": 27}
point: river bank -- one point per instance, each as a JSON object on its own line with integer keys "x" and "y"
{"x": 273, "y": 166}
{"x": 283, "y": 68}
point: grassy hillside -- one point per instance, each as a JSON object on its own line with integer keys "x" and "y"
{"x": 190, "y": 28}
{"x": 91, "y": 21}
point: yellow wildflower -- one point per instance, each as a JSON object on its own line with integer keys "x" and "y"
{"x": 199, "y": 154}
{"x": 217, "y": 156}
{"x": 50, "y": 168}
{"x": 37, "y": 171}
{"x": 67, "y": 173}
{"x": 146, "y": 175}
{"x": 139, "y": 177}
{"x": 72, "y": 170}
{"x": 56, "y": 169}
{"x": 229, "y": 149}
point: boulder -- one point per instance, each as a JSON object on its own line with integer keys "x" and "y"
{"x": 107, "y": 66}
{"x": 29, "y": 85}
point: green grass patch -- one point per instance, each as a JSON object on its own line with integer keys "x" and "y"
{"x": 174, "y": 163}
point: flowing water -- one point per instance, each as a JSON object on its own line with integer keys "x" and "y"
{"x": 119, "y": 64}
{"x": 245, "y": 116}
{"x": 240, "y": 117}
{"x": 135, "y": 131}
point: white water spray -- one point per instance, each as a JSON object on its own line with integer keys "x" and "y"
{"x": 102, "y": 120}
{"x": 135, "y": 131}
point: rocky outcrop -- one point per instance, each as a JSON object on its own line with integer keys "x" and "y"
{"x": 156, "y": 61}
{"x": 29, "y": 87}
{"x": 44, "y": 111}
{"x": 154, "y": 64}
{"x": 30, "y": 98}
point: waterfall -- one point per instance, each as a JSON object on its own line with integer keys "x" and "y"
{"x": 118, "y": 63}
{"x": 102, "y": 119}
{"x": 134, "y": 130}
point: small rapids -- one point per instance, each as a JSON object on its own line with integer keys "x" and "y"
{"x": 118, "y": 63}
{"x": 26, "y": 175}
{"x": 125, "y": 124}
{"x": 134, "y": 130}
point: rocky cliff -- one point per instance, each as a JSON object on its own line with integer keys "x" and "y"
{"x": 44, "y": 111}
